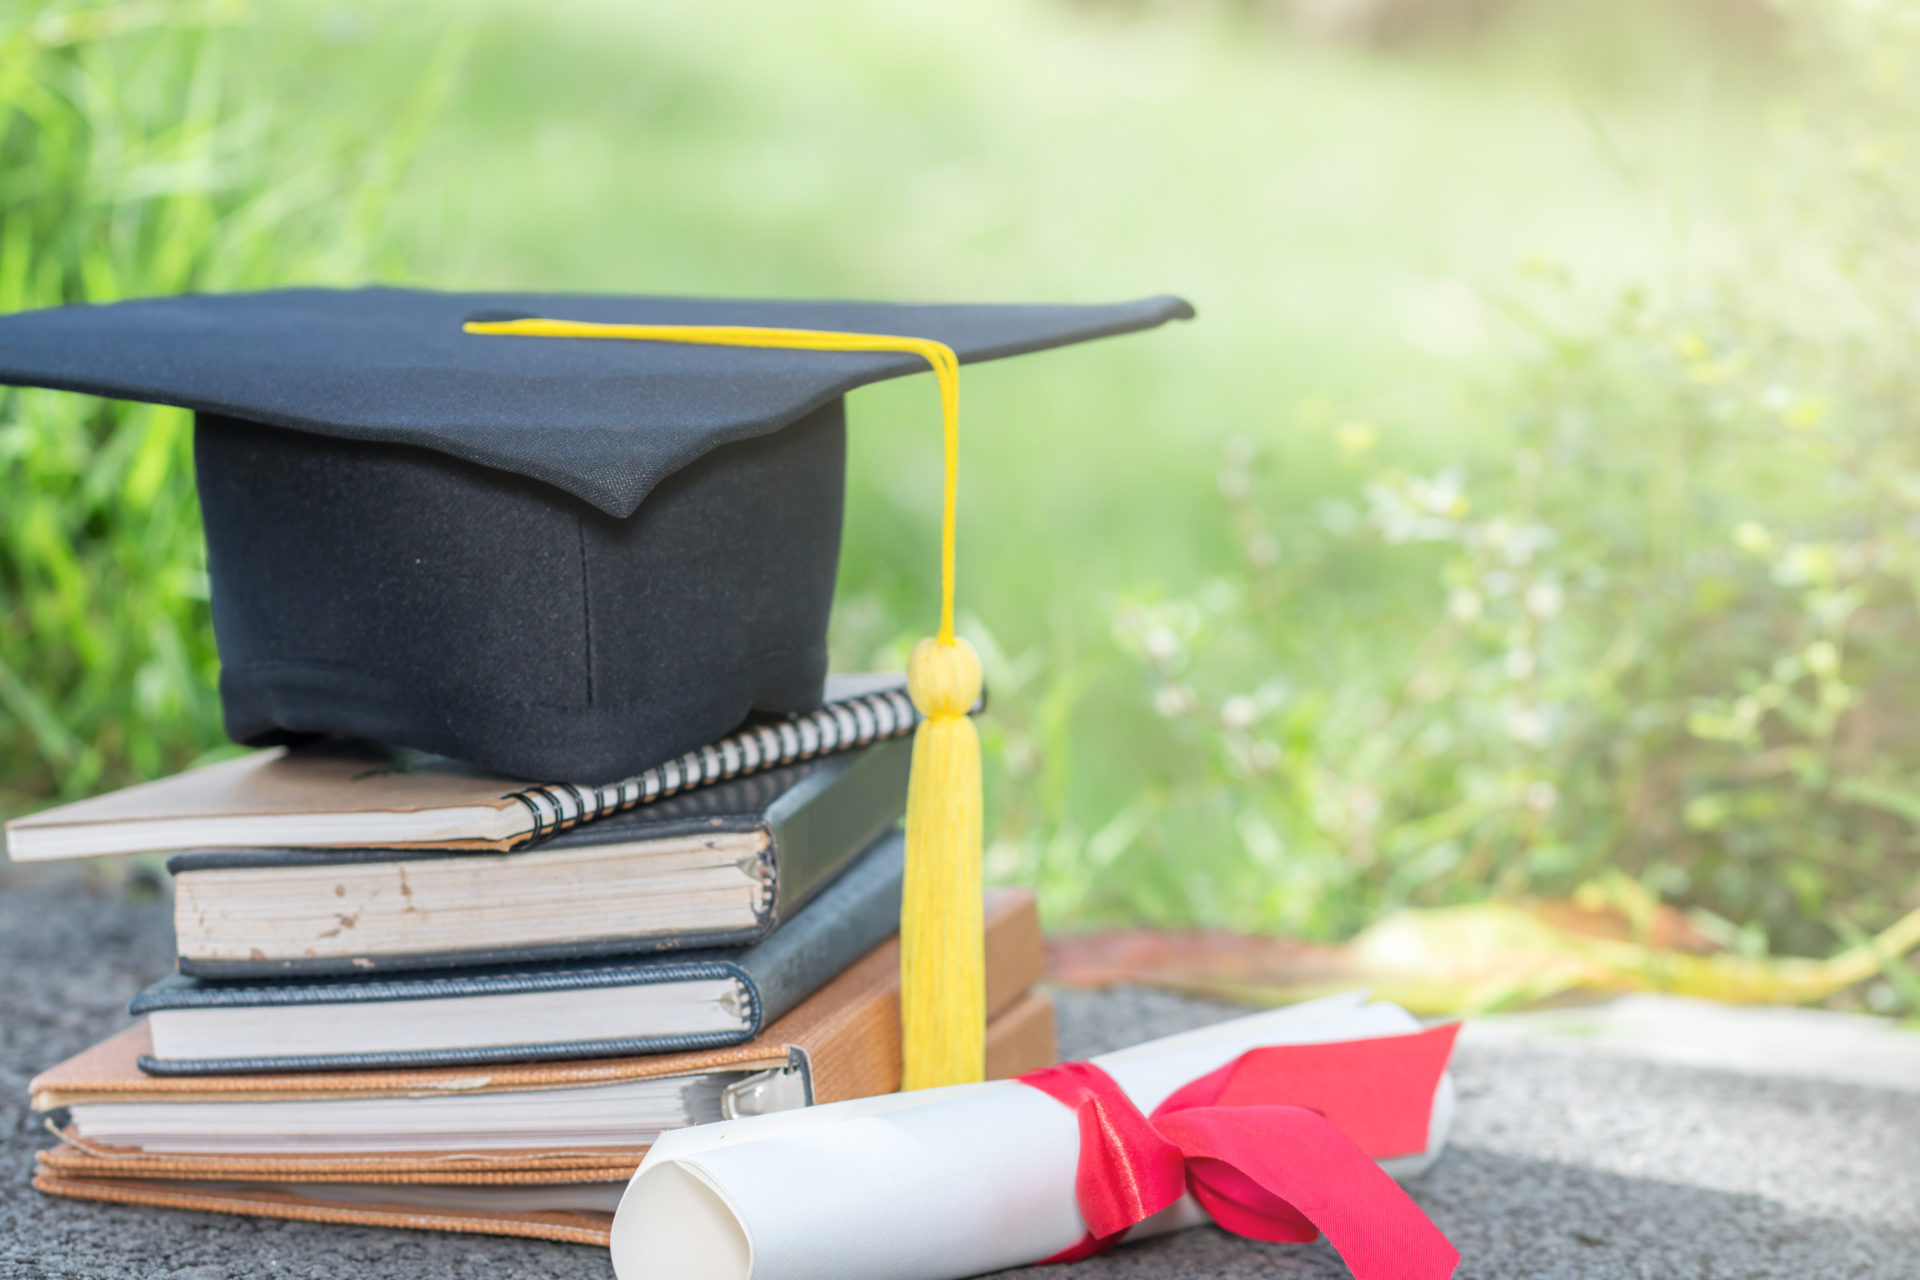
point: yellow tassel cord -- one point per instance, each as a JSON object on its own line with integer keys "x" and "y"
{"x": 942, "y": 966}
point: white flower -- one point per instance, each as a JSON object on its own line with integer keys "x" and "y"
{"x": 1526, "y": 541}
{"x": 1441, "y": 496}
{"x": 1463, "y": 605}
{"x": 1239, "y": 711}
{"x": 1160, "y": 643}
{"x": 1518, "y": 664}
{"x": 1003, "y": 860}
{"x": 1540, "y": 796}
{"x": 1528, "y": 725}
{"x": 1263, "y": 549}
{"x": 1173, "y": 700}
{"x": 1544, "y": 599}
{"x": 1262, "y": 842}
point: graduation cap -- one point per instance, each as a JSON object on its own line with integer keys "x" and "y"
{"x": 565, "y": 537}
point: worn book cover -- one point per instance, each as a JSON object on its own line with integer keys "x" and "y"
{"x": 565, "y": 1009}
{"x": 721, "y": 866}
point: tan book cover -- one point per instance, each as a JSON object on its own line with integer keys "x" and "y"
{"x": 566, "y": 1226}
{"x": 359, "y": 795}
{"x": 263, "y": 797}
{"x": 1019, "y": 1039}
{"x": 849, "y": 1032}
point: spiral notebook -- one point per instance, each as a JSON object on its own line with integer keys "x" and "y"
{"x": 360, "y": 795}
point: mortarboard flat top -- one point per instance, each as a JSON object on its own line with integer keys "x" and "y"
{"x": 567, "y": 560}
{"x": 605, "y": 421}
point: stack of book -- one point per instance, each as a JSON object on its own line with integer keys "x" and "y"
{"x": 413, "y": 994}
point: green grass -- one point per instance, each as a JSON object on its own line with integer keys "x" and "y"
{"x": 138, "y": 156}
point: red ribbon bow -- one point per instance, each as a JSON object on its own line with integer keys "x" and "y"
{"x": 1278, "y": 1145}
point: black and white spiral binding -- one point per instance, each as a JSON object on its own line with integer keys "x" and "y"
{"x": 838, "y": 726}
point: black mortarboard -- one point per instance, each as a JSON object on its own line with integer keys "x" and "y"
{"x": 559, "y": 559}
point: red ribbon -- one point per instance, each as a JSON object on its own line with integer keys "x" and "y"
{"x": 1278, "y": 1145}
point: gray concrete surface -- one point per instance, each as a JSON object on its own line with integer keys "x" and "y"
{"x": 1565, "y": 1162}
{"x": 1813, "y": 1044}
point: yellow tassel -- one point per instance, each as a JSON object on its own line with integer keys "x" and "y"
{"x": 942, "y": 961}
{"x": 943, "y": 992}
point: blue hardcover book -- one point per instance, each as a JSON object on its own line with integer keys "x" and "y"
{"x": 652, "y": 1004}
{"x": 720, "y": 866}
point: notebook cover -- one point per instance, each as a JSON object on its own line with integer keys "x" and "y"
{"x": 1019, "y": 1040}
{"x": 812, "y": 819}
{"x": 471, "y": 809}
{"x": 855, "y": 914}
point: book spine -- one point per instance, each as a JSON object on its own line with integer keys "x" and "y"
{"x": 838, "y": 726}
{"x": 822, "y": 825}
{"x": 859, "y": 912}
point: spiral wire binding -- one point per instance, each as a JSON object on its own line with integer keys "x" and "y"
{"x": 838, "y": 726}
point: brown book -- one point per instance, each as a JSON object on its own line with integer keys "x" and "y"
{"x": 841, "y": 1043}
{"x": 502, "y": 1202}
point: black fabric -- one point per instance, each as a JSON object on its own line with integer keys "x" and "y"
{"x": 563, "y": 559}
{"x": 387, "y": 592}
{"x": 606, "y": 421}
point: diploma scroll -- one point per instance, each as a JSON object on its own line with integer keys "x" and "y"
{"x": 945, "y": 1183}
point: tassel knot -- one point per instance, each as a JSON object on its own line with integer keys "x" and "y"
{"x": 943, "y": 678}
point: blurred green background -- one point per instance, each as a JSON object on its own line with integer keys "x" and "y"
{"x": 1537, "y": 493}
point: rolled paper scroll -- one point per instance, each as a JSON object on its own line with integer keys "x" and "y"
{"x": 1279, "y": 1126}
